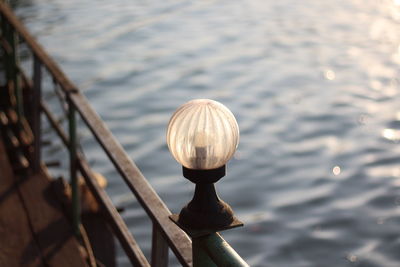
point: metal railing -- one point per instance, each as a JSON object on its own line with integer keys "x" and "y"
{"x": 211, "y": 250}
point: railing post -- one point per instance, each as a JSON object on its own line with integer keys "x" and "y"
{"x": 36, "y": 121}
{"x": 159, "y": 249}
{"x": 73, "y": 167}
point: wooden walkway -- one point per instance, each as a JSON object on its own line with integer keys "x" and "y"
{"x": 33, "y": 229}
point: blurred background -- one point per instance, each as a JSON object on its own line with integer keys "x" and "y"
{"x": 313, "y": 84}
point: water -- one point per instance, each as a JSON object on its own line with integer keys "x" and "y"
{"x": 315, "y": 89}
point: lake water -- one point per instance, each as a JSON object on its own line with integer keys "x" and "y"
{"x": 313, "y": 84}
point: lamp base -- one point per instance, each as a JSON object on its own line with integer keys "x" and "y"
{"x": 206, "y": 212}
{"x": 194, "y": 233}
{"x": 204, "y": 176}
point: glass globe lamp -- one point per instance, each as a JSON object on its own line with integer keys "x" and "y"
{"x": 202, "y": 135}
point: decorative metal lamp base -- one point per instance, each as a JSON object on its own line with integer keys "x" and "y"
{"x": 194, "y": 233}
{"x": 206, "y": 213}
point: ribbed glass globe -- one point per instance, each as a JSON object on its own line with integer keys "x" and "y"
{"x": 202, "y": 134}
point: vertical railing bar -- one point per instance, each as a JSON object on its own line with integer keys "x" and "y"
{"x": 16, "y": 77}
{"x": 159, "y": 249}
{"x": 7, "y": 65}
{"x": 6, "y": 50}
{"x": 12, "y": 39}
{"x": 73, "y": 167}
{"x": 36, "y": 119}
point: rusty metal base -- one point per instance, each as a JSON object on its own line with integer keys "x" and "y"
{"x": 194, "y": 233}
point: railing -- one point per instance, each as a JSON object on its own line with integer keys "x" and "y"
{"x": 208, "y": 251}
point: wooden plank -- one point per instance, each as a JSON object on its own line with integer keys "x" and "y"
{"x": 52, "y": 231}
{"x": 17, "y": 244}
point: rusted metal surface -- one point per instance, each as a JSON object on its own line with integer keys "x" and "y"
{"x": 128, "y": 243}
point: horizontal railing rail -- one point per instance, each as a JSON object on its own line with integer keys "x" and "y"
{"x": 213, "y": 250}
